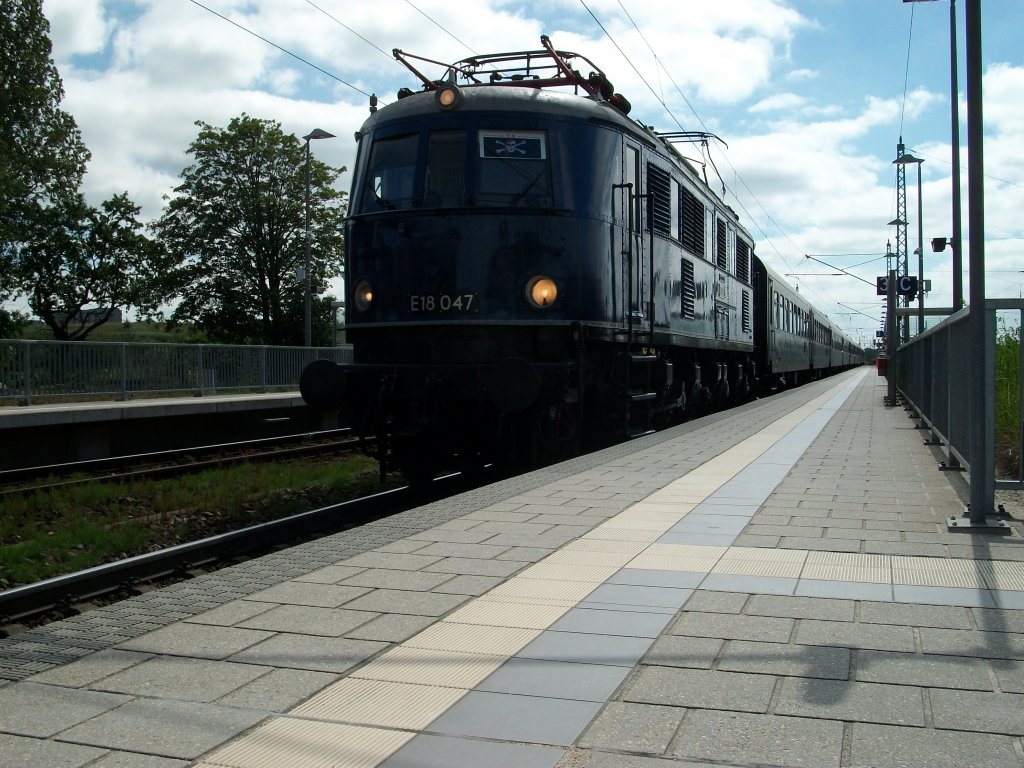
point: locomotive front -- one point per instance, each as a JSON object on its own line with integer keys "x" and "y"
{"x": 466, "y": 285}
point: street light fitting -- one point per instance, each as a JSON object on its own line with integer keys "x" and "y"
{"x": 907, "y": 159}
{"x": 316, "y": 133}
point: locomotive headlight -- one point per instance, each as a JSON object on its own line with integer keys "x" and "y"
{"x": 448, "y": 96}
{"x": 541, "y": 291}
{"x": 363, "y": 296}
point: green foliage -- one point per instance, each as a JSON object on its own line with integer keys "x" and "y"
{"x": 77, "y": 256}
{"x": 1007, "y": 401}
{"x": 236, "y": 225}
{"x": 49, "y": 532}
{"x": 12, "y": 324}
{"x": 56, "y": 251}
{"x": 42, "y": 156}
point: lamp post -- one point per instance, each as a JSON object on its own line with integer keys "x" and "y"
{"x": 907, "y": 159}
{"x": 307, "y": 306}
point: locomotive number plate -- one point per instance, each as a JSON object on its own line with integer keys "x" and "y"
{"x": 443, "y": 302}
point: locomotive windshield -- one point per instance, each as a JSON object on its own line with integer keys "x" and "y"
{"x": 390, "y": 175}
{"x": 511, "y": 170}
{"x": 514, "y": 170}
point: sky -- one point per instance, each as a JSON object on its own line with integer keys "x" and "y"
{"x": 808, "y": 97}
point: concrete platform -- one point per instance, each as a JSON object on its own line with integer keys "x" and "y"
{"x": 41, "y": 435}
{"x": 774, "y": 586}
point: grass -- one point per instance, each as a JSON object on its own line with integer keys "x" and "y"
{"x": 46, "y": 533}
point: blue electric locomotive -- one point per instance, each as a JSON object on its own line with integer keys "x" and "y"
{"x": 530, "y": 272}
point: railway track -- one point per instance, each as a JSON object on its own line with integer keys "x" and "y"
{"x": 180, "y": 461}
{"x": 61, "y": 596}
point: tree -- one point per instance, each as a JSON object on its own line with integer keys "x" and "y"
{"x": 42, "y": 156}
{"x": 236, "y": 224}
{"x": 55, "y": 250}
{"x": 77, "y": 255}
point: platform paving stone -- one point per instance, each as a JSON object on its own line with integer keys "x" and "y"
{"x": 427, "y": 751}
{"x": 978, "y": 711}
{"x": 778, "y": 659}
{"x": 91, "y": 668}
{"x": 470, "y": 565}
{"x": 933, "y": 671}
{"x": 626, "y": 726}
{"x": 1009, "y": 675}
{"x": 853, "y": 635}
{"x": 882, "y": 746}
{"x": 401, "y": 601}
{"x": 451, "y": 550}
{"x": 942, "y": 616}
{"x": 391, "y": 627}
{"x": 755, "y": 739}
{"x": 998, "y": 620}
{"x": 279, "y": 690}
{"x": 307, "y": 593}
{"x": 177, "y": 729}
{"x": 795, "y": 607}
{"x": 135, "y": 760}
{"x": 33, "y": 709}
{"x": 231, "y": 613}
{"x": 308, "y": 620}
{"x": 707, "y": 689}
{"x": 175, "y": 677}
{"x": 22, "y": 752}
{"x": 324, "y": 654}
{"x": 852, "y": 701}
{"x": 739, "y": 627}
{"x": 197, "y": 640}
{"x": 676, "y": 651}
{"x": 717, "y": 602}
{"x": 981, "y": 644}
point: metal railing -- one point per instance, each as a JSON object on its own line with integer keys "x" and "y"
{"x": 931, "y": 374}
{"x": 33, "y": 372}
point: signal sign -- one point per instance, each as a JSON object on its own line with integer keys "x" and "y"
{"x": 906, "y": 285}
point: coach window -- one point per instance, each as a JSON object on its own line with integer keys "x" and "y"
{"x": 514, "y": 170}
{"x": 390, "y": 175}
{"x": 445, "y": 183}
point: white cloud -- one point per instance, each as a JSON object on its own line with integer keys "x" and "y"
{"x": 818, "y": 160}
{"x": 76, "y": 27}
{"x": 779, "y": 101}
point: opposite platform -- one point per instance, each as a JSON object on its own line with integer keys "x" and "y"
{"x": 770, "y": 586}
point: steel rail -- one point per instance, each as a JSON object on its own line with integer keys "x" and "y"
{"x": 62, "y": 592}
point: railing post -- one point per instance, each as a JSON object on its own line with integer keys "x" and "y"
{"x": 26, "y": 361}
{"x": 1020, "y": 397}
{"x": 952, "y": 462}
{"x": 124, "y": 371}
{"x": 199, "y": 368}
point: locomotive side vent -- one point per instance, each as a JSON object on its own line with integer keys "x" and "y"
{"x": 689, "y": 291}
{"x": 745, "y": 312}
{"x": 742, "y": 260}
{"x": 691, "y": 223}
{"x": 721, "y": 241}
{"x": 659, "y": 184}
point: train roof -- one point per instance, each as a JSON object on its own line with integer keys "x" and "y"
{"x": 541, "y": 82}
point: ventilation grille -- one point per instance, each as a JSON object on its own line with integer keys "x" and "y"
{"x": 689, "y": 291}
